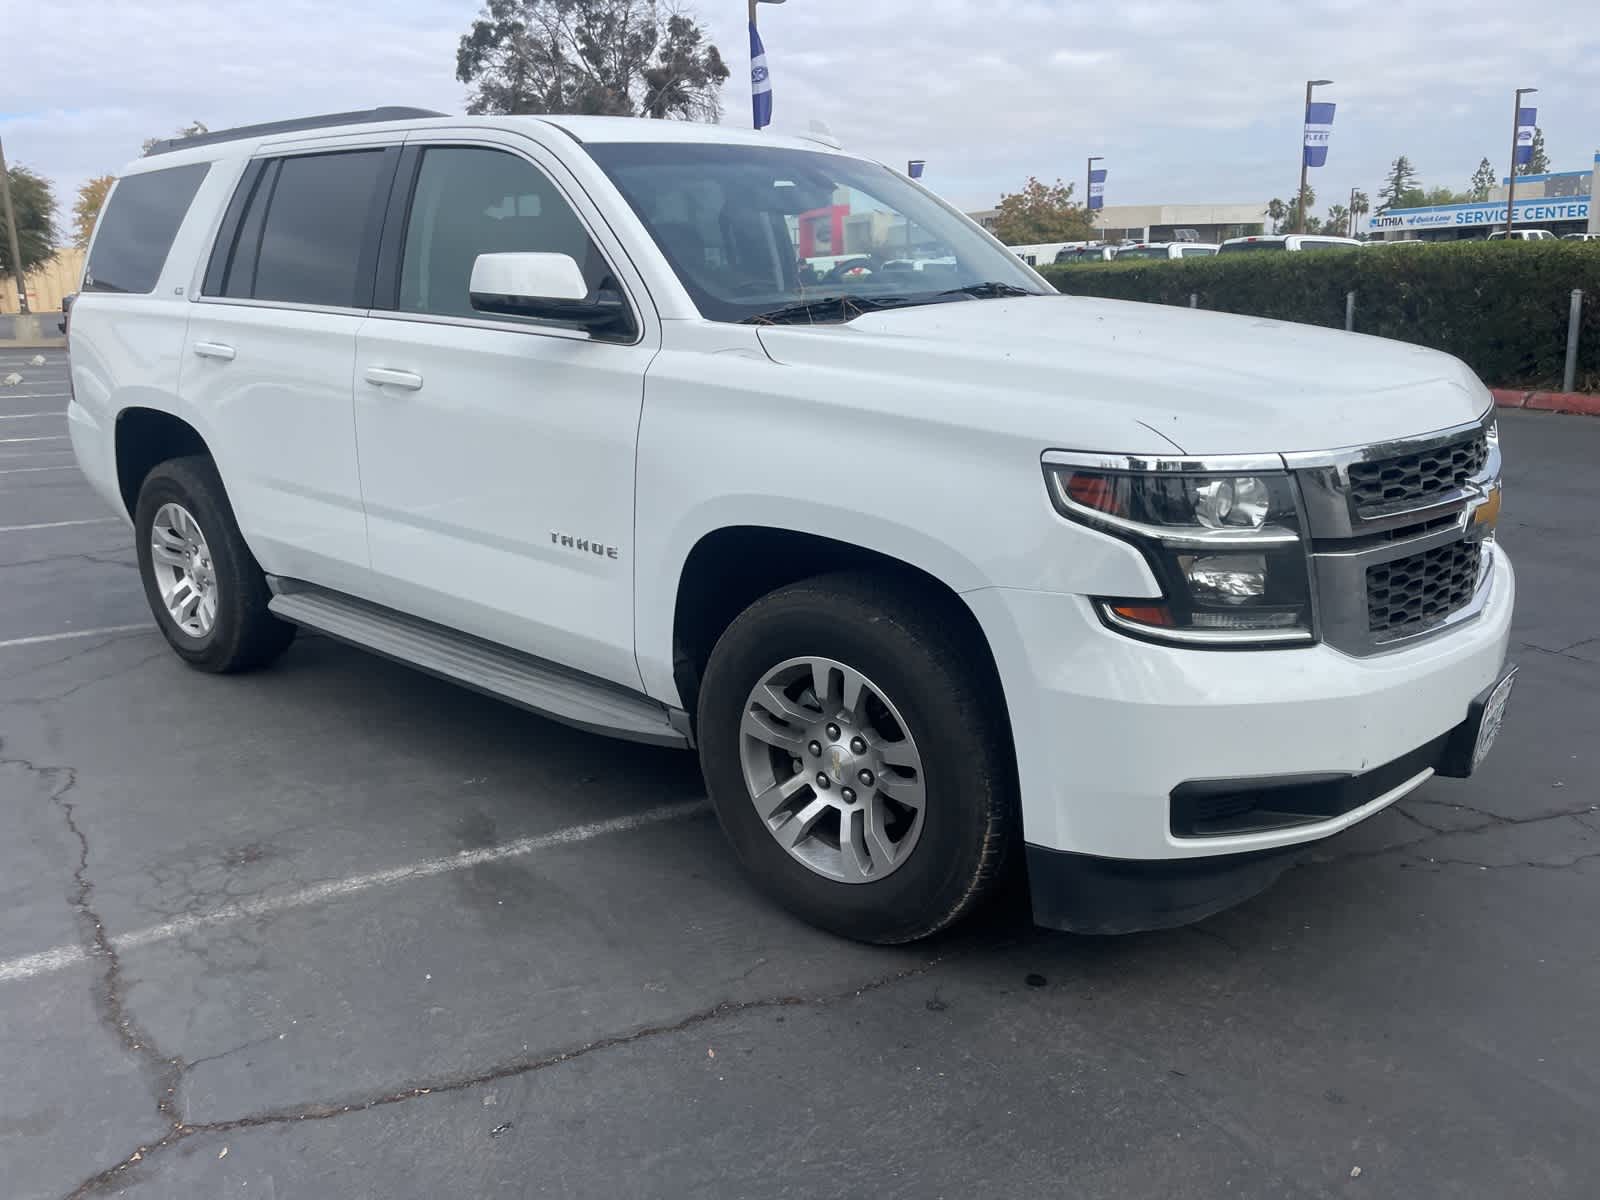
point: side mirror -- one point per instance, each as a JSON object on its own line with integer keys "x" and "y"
{"x": 546, "y": 287}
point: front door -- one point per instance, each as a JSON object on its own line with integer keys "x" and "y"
{"x": 497, "y": 453}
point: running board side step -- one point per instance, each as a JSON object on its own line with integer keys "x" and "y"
{"x": 592, "y": 705}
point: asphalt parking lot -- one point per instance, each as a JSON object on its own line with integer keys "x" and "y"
{"x": 341, "y": 930}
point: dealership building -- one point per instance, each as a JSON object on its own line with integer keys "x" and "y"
{"x": 1562, "y": 202}
{"x": 1162, "y": 222}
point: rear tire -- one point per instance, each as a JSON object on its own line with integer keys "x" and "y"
{"x": 924, "y": 695}
{"x": 205, "y": 588}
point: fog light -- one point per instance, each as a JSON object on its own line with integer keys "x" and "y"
{"x": 1225, "y": 578}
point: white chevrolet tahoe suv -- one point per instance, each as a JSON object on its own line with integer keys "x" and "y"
{"x": 942, "y": 573}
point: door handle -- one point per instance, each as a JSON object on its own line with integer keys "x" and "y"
{"x": 214, "y": 350}
{"x": 408, "y": 381}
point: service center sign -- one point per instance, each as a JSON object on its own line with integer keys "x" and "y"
{"x": 1529, "y": 212}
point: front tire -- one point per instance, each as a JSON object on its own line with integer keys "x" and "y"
{"x": 855, "y": 746}
{"x": 205, "y": 588}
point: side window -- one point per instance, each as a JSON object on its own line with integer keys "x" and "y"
{"x": 138, "y": 226}
{"x": 470, "y": 201}
{"x": 301, "y": 238}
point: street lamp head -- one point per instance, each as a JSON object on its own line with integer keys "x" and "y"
{"x": 1526, "y": 91}
{"x": 1318, "y": 82}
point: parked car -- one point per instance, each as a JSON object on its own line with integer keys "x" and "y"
{"x": 1522, "y": 235}
{"x": 927, "y": 571}
{"x": 1166, "y": 250}
{"x": 1288, "y": 241}
{"x": 1580, "y": 237}
{"x": 1092, "y": 253}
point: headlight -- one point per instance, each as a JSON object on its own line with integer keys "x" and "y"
{"x": 1225, "y": 548}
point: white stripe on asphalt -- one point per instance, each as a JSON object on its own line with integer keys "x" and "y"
{"x": 8, "y": 394}
{"x": 61, "y": 524}
{"x": 55, "y": 437}
{"x": 105, "y": 631}
{"x": 25, "y": 416}
{"x": 31, "y": 470}
{"x": 61, "y": 957}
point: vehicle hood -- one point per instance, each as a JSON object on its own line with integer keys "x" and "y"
{"x": 1078, "y": 370}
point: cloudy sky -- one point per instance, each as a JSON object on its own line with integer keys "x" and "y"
{"x": 1189, "y": 100}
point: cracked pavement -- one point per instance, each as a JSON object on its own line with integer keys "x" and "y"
{"x": 616, "y": 1014}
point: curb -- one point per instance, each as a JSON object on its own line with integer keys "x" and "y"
{"x": 1580, "y": 403}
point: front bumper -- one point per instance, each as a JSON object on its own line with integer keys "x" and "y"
{"x": 1107, "y": 727}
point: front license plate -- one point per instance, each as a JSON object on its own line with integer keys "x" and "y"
{"x": 1494, "y": 716}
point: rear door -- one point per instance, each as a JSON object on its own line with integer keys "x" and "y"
{"x": 271, "y": 350}
{"x": 497, "y": 452}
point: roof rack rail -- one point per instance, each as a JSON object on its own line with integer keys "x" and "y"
{"x": 365, "y": 116}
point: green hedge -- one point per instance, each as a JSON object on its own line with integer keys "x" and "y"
{"x": 1502, "y": 307}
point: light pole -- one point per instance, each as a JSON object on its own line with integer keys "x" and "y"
{"x": 760, "y": 81}
{"x": 1511, "y": 179}
{"x": 1350, "y": 230}
{"x": 1088, "y": 188}
{"x": 11, "y": 235}
{"x": 1300, "y": 221}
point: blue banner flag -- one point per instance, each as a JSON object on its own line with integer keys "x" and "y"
{"x": 915, "y": 167}
{"x": 1097, "y": 190}
{"x": 1319, "y": 130}
{"x": 1527, "y": 118}
{"x": 760, "y": 81}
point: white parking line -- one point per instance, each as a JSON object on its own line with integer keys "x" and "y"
{"x": 32, "y": 470}
{"x": 26, "y": 416}
{"x": 8, "y": 394}
{"x": 104, "y": 631}
{"x": 61, "y": 524}
{"x": 59, "y": 437}
{"x": 61, "y": 957}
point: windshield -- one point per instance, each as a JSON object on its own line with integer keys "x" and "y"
{"x": 1143, "y": 252}
{"x": 1239, "y": 247}
{"x": 753, "y": 231}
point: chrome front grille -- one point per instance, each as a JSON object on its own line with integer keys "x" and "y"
{"x": 1412, "y": 594}
{"x": 1407, "y": 481}
{"x": 1397, "y": 549}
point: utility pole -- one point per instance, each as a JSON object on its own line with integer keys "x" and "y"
{"x": 1350, "y": 230}
{"x": 11, "y": 234}
{"x": 1511, "y": 179}
{"x": 1300, "y": 220}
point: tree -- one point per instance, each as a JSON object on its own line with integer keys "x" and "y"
{"x": 607, "y": 57}
{"x": 91, "y": 199}
{"x": 1042, "y": 213}
{"x": 1538, "y": 161}
{"x": 1402, "y": 178}
{"x": 1443, "y": 195}
{"x": 1360, "y": 205}
{"x": 35, "y": 206}
{"x": 1338, "y": 220}
{"x": 1483, "y": 182}
{"x": 1286, "y": 216}
{"x": 193, "y": 129}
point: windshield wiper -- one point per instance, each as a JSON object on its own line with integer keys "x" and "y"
{"x": 840, "y": 308}
{"x": 989, "y": 291}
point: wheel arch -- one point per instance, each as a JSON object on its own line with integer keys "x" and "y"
{"x": 732, "y": 566}
{"x": 145, "y": 438}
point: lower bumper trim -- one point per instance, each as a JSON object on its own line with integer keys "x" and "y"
{"x": 1081, "y": 893}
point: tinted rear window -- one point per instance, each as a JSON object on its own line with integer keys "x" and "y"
{"x": 302, "y": 238}
{"x": 136, "y": 230}
{"x": 1239, "y": 247}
